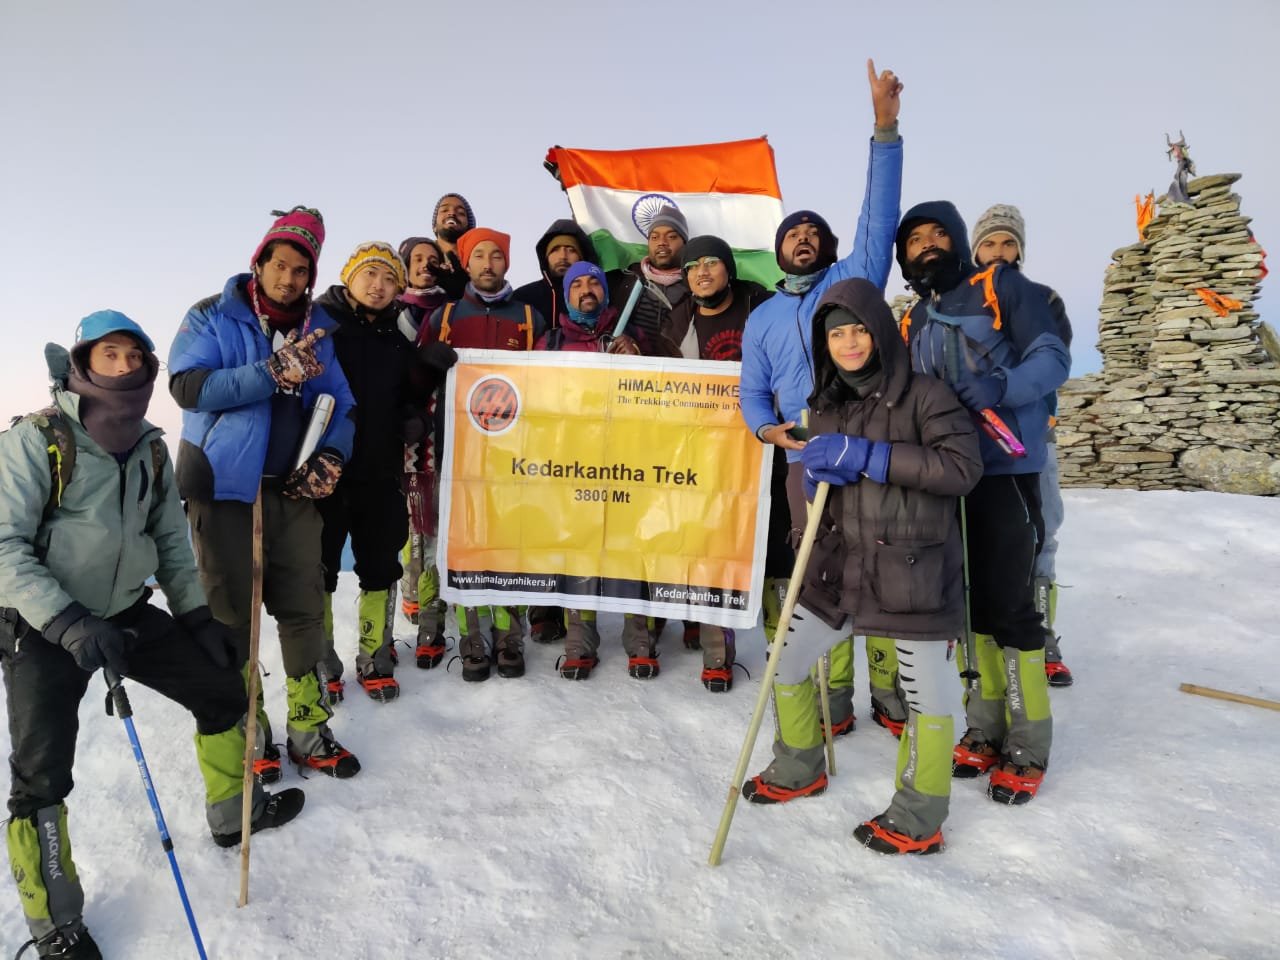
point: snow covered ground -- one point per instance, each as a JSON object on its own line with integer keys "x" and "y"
{"x": 538, "y": 817}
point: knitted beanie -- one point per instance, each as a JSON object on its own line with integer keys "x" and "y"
{"x": 466, "y": 204}
{"x": 827, "y": 241}
{"x": 673, "y": 218}
{"x": 709, "y": 246}
{"x": 374, "y": 252}
{"x": 1001, "y": 218}
{"x": 301, "y": 226}
{"x": 467, "y": 242}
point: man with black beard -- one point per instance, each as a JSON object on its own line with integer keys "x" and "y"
{"x": 451, "y": 218}
{"x": 664, "y": 287}
{"x": 993, "y": 338}
{"x": 777, "y": 349}
{"x": 562, "y": 245}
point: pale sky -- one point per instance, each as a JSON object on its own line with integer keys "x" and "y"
{"x": 144, "y": 143}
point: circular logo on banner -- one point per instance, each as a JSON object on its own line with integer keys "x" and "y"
{"x": 646, "y": 208}
{"x": 493, "y": 404}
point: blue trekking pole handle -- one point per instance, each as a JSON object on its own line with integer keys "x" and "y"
{"x": 120, "y": 700}
{"x": 632, "y": 299}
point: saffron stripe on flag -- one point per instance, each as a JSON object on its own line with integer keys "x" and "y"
{"x": 742, "y": 167}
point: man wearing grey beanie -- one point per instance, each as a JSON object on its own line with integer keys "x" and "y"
{"x": 1001, "y": 234}
{"x": 664, "y": 285}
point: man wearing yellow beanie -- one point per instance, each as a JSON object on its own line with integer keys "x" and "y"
{"x": 391, "y": 383}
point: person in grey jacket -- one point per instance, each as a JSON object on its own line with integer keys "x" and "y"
{"x": 89, "y": 512}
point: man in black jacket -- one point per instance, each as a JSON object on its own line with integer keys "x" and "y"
{"x": 367, "y": 504}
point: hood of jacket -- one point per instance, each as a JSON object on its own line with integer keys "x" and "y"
{"x": 862, "y": 299}
{"x": 934, "y": 211}
{"x": 571, "y": 228}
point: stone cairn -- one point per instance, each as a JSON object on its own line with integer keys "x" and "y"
{"x": 1189, "y": 395}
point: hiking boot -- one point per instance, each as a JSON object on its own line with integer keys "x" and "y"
{"x": 1058, "y": 674}
{"x": 758, "y": 790}
{"x": 410, "y": 609}
{"x": 279, "y": 809}
{"x": 843, "y": 727}
{"x": 718, "y": 657}
{"x": 509, "y": 654}
{"x": 881, "y": 717}
{"x": 642, "y": 666}
{"x": 718, "y": 679}
{"x": 1013, "y": 784}
{"x": 331, "y": 692}
{"x": 874, "y": 835}
{"x": 474, "y": 657}
{"x": 576, "y": 668}
{"x": 972, "y": 757}
{"x": 329, "y": 757}
{"x": 431, "y": 646}
{"x": 267, "y": 769}
{"x": 641, "y": 646}
{"x": 381, "y": 687}
{"x": 65, "y": 945}
{"x": 692, "y": 636}
{"x": 546, "y": 624}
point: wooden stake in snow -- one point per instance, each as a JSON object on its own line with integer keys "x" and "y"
{"x": 1228, "y": 695}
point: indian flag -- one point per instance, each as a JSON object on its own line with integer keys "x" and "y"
{"x": 729, "y": 190}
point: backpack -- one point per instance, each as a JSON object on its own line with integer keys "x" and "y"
{"x": 60, "y": 443}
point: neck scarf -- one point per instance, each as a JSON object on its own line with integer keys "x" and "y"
{"x": 502, "y": 294}
{"x": 863, "y": 382}
{"x": 663, "y": 278}
{"x": 800, "y": 284}
{"x": 276, "y": 316}
{"x": 112, "y": 408}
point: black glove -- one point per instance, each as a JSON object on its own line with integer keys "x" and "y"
{"x": 213, "y": 637}
{"x": 437, "y": 356}
{"x": 92, "y": 641}
{"x": 413, "y": 428}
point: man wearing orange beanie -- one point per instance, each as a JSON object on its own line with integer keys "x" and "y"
{"x": 488, "y": 317}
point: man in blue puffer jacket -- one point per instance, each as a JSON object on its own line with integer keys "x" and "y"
{"x": 246, "y": 368}
{"x": 991, "y": 335}
{"x": 777, "y": 348}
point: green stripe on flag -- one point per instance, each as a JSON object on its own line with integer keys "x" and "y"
{"x": 758, "y": 265}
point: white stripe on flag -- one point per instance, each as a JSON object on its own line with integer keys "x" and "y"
{"x": 745, "y": 221}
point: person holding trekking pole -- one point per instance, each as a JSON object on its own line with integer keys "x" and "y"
{"x": 898, "y": 449}
{"x": 89, "y": 512}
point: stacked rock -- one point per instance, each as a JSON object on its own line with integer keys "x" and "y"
{"x": 1189, "y": 395}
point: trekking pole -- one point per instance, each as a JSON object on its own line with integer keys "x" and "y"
{"x": 969, "y": 674}
{"x": 120, "y": 702}
{"x": 951, "y": 351}
{"x": 824, "y": 673}
{"x": 771, "y": 668}
{"x": 824, "y": 695}
{"x": 251, "y": 715}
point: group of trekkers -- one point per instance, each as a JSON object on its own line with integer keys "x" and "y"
{"x": 931, "y": 433}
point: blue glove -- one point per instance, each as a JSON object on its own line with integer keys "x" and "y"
{"x": 838, "y": 459}
{"x": 979, "y": 393}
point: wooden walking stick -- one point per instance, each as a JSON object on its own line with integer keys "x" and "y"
{"x": 251, "y": 717}
{"x": 1228, "y": 695}
{"x": 771, "y": 668}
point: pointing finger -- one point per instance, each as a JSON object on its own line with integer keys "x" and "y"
{"x": 871, "y": 70}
